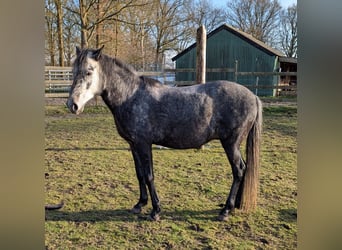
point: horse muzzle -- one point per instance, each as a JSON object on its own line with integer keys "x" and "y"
{"x": 73, "y": 107}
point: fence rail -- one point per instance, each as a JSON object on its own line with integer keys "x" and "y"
{"x": 232, "y": 70}
{"x": 59, "y": 79}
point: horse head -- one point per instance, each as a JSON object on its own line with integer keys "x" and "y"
{"x": 87, "y": 82}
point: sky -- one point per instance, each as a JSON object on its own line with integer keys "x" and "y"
{"x": 287, "y": 3}
{"x": 283, "y": 3}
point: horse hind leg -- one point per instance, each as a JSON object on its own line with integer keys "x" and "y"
{"x": 238, "y": 169}
{"x": 240, "y": 189}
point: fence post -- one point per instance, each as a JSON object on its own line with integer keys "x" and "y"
{"x": 201, "y": 49}
{"x": 236, "y": 71}
{"x": 163, "y": 69}
{"x": 50, "y": 85}
{"x": 256, "y": 85}
{"x": 201, "y": 41}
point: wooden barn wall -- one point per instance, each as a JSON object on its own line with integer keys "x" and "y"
{"x": 223, "y": 49}
{"x": 187, "y": 61}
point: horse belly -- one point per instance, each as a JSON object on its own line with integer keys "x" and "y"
{"x": 184, "y": 121}
{"x": 185, "y": 143}
{"x": 183, "y": 136}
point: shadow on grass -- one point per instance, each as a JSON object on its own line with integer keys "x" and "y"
{"x": 86, "y": 149}
{"x": 288, "y": 215}
{"x": 126, "y": 216}
{"x": 154, "y": 148}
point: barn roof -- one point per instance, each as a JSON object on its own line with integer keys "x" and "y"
{"x": 243, "y": 35}
{"x": 288, "y": 60}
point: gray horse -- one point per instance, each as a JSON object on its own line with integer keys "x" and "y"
{"x": 147, "y": 112}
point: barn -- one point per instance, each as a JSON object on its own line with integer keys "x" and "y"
{"x": 228, "y": 47}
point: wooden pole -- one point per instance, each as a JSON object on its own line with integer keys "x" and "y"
{"x": 201, "y": 49}
{"x": 201, "y": 44}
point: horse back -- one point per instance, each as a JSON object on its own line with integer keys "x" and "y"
{"x": 185, "y": 117}
{"x": 201, "y": 113}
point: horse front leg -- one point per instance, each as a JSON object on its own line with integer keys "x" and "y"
{"x": 142, "y": 184}
{"x": 143, "y": 153}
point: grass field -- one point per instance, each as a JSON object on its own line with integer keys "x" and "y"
{"x": 91, "y": 168}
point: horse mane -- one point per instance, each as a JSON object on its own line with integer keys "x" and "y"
{"x": 107, "y": 63}
{"x": 110, "y": 64}
{"x": 126, "y": 69}
{"x": 150, "y": 81}
{"x": 81, "y": 58}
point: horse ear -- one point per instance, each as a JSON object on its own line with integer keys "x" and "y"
{"x": 97, "y": 53}
{"x": 78, "y": 50}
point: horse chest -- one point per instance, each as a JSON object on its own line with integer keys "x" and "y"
{"x": 130, "y": 123}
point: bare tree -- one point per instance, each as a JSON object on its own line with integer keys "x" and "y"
{"x": 167, "y": 27}
{"x": 198, "y": 13}
{"x": 90, "y": 23}
{"x": 50, "y": 32}
{"x": 138, "y": 29}
{"x": 60, "y": 39}
{"x": 260, "y": 18}
{"x": 202, "y": 12}
{"x": 99, "y": 26}
{"x": 288, "y": 31}
{"x": 71, "y": 35}
{"x": 61, "y": 33}
{"x": 92, "y": 13}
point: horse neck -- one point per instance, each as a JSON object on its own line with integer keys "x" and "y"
{"x": 120, "y": 82}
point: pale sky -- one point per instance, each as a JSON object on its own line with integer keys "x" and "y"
{"x": 283, "y": 3}
{"x": 287, "y": 3}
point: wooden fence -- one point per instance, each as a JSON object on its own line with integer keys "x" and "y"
{"x": 59, "y": 79}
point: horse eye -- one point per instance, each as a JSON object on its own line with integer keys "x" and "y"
{"x": 88, "y": 73}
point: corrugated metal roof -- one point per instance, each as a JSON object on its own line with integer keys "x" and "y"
{"x": 243, "y": 35}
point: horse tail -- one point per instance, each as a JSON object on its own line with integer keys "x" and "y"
{"x": 54, "y": 206}
{"x": 251, "y": 177}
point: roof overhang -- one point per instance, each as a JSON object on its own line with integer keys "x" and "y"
{"x": 288, "y": 60}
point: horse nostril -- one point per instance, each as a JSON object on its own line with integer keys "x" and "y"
{"x": 74, "y": 107}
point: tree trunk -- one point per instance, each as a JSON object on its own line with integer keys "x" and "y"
{"x": 84, "y": 31}
{"x": 142, "y": 46}
{"x": 157, "y": 54}
{"x": 99, "y": 25}
{"x": 68, "y": 47}
{"x": 58, "y": 5}
{"x": 116, "y": 38}
{"x": 51, "y": 48}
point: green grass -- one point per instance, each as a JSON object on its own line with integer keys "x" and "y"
{"x": 90, "y": 167}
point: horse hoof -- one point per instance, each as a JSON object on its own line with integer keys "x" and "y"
{"x": 136, "y": 210}
{"x": 222, "y": 217}
{"x": 155, "y": 217}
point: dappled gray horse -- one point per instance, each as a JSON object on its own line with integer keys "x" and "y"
{"x": 147, "y": 112}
